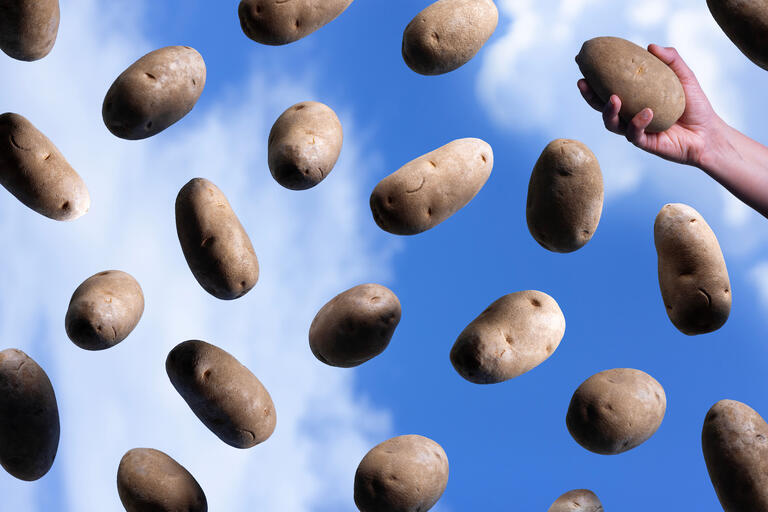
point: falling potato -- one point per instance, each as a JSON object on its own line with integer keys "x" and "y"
{"x": 278, "y": 22}
{"x": 28, "y": 28}
{"x": 746, "y": 25}
{"x": 579, "y": 500}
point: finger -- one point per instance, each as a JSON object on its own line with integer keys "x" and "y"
{"x": 636, "y": 128}
{"x": 671, "y": 58}
{"x": 611, "y": 117}
{"x": 589, "y": 95}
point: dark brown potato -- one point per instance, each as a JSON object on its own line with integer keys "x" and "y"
{"x": 746, "y": 25}
{"x": 355, "y": 326}
{"x": 735, "y": 445}
{"x": 579, "y": 500}
{"x": 28, "y": 28}
{"x": 29, "y": 417}
{"x": 215, "y": 245}
{"x": 149, "y": 480}
{"x": 278, "y": 22}
{"x": 223, "y": 393}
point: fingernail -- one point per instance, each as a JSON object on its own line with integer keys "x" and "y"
{"x": 646, "y": 114}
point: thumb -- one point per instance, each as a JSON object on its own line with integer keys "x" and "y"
{"x": 671, "y": 58}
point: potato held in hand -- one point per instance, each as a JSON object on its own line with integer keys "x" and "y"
{"x": 746, "y": 25}
{"x": 692, "y": 274}
{"x": 277, "y": 22}
{"x": 579, "y": 500}
{"x": 28, "y": 28}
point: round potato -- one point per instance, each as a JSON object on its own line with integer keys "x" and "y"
{"x": 579, "y": 500}
{"x": 426, "y": 191}
{"x": 29, "y": 417}
{"x": 612, "y": 65}
{"x": 403, "y": 474}
{"x": 447, "y": 34}
{"x": 616, "y": 410}
{"x": 355, "y": 326}
{"x": 104, "y": 310}
{"x": 149, "y": 479}
{"x": 565, "y": 196}
{"x": 154, "y": 92}
{"x": 304, "y": 144}
{"x": 28, "y": 28}
{"x": 277, "y": 22}
{"x": 215, "y": 245}
{"x": 33, "y": 170}
{"x": 692, "y": 274}
{"x": 746, "y": 25}
{"x": 223, "y": 393}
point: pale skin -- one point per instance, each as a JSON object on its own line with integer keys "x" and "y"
{"x": 699, "y": 138}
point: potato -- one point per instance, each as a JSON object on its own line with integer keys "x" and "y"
{"x": 223, "y": 393}
{"x": 426, "y": 191}
{"x": 215, "y": 245}
{"x": 746, "y": 25}
{"x": 33, "y": 170}
{"x": 403, "y": 474}
{"x": 735, "y": 445}
{"x": 565, "y": 196}
{"x": 355, "y": 325}
{"x": 447, "y": 34}
{"x": 277, "y": 22}
{"x": 616, "y": 410}
{"x": 28, "y": 28}
{"x": 304, "y": 144}
{"x": 612, "y": 65}
{"x": 580, "y": 500}
{"x": 149, "y": 479}
{"x": 154, "y": 92}
{"x": 104, "y": 310}
{"x": 29, "y": 417}
{"x": 692, "y": 274}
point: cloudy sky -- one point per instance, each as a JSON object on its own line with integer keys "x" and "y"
{"x": 507, "y": 443}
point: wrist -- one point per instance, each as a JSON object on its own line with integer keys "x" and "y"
{"x": 717, "y": 147}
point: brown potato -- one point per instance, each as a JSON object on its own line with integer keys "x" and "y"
{"x": 215, "y": 245}
{"x": 149, "y": 479}
{"x": 104, "y": 310}
{"x": 579, "y": 500}
{"x": 692, "y": 274}
{"x": 735, "y": 445}
{"x": 403, "y": 474}
{"x": 33, "y": 170}
{"x": 223, "y": 393}
{"x": 746, "y": 25}
{"x": 277, "y": 22}
{"x": 447, "y": 34}
{"x": 28, "y": 28}
{"x": 154, "y": 92}
{"x": 355, "y": 325}
{"x": 304, "y": 144}
{"x": 612, "y": 65}
{"x": 565, "y": 196}
{"x": 426, "y": 191}
{"x": 616, "y": 410}
{"x": 29, "y": 417}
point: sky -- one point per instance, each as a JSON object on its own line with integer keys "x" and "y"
{"x": 507, "y": 443}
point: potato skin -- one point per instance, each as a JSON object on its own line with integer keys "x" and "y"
{"x": 612, "y": 65}
{"x": 734, "y": 440}
{"x": 447, "y": 34}
{"x": 149, "y": 479}
{"x": 746, "y": 25}
{"x": 29, "y": 417}
{"x": 355, "y": 326}
{"x": 28, "y": 28}
{"x": 565, "y": 196}
{"x": 222, "y": 393}
{"x": 403, "y": 474}
{"x": 35, "y": 171}
{"x": 579, "y": 500}
{"x": 278, "y": 22}
{"x": 516, "y": 333}
{"x": 426, "y": 191}
{"x": 215, "y": 245}
{"x": 154, "y": 92}
{"x": 616, "y": 410}
{"x": 692, "y": 274}
{"x": 304, "y": 144}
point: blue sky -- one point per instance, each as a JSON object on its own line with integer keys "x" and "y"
{"x": 507, "y": 443}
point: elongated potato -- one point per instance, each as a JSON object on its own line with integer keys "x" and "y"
{"x": 734, "y": 440}
{"x": 29, "y": 417}
{"x": 692, "y": 274}
{"x": 426, "y": 191}
{"x": 28, "y": 28}
{"x": 579, "y": 500}
{"x": 149, "y": 479}
{"x": 447, "y": 34}
{"x": 35, "y": 171}
{"x": 612, "y": 65}
{"x": 154, "y": 92}
{"x": 405, "y": 474}
{"x": 223, "y": 393}
{"x": 277, "y": 22}
{"x": 304, "y": 144}
{"x": 746, "y": 25}
{"x": 215, "y": 245}
{"x": 565, "y": 196}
